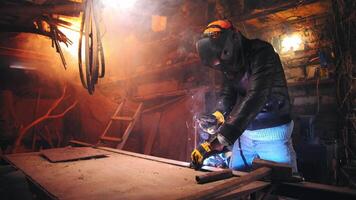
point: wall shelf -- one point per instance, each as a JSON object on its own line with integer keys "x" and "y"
{"x": 310, "y": 82}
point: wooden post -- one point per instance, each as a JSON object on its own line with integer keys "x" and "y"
{"x": 152, "y": 133}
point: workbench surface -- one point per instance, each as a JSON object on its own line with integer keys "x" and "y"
{"x": 117, "y": 176}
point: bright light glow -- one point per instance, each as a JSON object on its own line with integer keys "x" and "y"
{"x": 72, "y": 33}
{"x": 121, "y": 4}
{"x": 291, "y": 43}
{"x": 74, "y": 37}
{"x": 158, "y": 23}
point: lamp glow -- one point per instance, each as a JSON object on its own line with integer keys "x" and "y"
{"x": 291, "y": 43}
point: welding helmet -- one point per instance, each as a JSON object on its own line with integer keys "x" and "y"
{"x": 216, "y": 46}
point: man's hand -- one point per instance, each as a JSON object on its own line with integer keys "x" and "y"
{"x": 198, "y": 155}
{"x": 210, "y": 122}
{"x": 203, "y": 151}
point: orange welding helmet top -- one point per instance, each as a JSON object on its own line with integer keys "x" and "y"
{"x": 215, "y": 28}
{"x": 216, "y": 45}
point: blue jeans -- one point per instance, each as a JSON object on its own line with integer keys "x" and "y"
{"x": 274, "y": 144}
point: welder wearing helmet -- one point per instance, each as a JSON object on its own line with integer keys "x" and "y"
{"x": 253, "y": 109}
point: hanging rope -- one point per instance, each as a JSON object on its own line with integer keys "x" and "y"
{"x": 93, "y": 49}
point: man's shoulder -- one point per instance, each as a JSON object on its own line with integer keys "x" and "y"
{"x": 261, "y": 53}
{"x": 257, "y": 45}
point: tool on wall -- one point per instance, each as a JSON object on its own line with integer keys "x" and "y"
{"x": 56, "y": 36}
{"x": 94, "y": 53}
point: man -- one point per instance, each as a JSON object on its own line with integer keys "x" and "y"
{"x": 253, "y": 109}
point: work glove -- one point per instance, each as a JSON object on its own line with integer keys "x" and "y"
{"x": 205, "y": 150}
{"x": 198, "y": 155}
{"x": 210, "y": 122}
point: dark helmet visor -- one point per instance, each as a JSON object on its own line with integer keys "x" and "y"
{"x": 209, "y": 52}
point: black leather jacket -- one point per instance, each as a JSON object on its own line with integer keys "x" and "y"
{"x": 256, "y": 95}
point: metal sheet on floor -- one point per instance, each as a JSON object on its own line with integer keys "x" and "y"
{"x": 71, "y": 153}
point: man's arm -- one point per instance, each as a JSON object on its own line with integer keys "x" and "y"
{"x": 227, "y": 97}
{"x": 262, "y": 75}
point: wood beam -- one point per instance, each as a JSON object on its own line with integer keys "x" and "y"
{"x": 35, "y": 10}
{"x": 158, "y": 71}
{"x": 245, "y": 17}
{"x": 24, "y": 54}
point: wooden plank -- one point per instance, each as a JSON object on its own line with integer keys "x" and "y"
{"x": 230, "y": 185}
{"x": 111, "y": 139}
{"x": 310, "y": 82}
{"x": 280, "y": 171}
{"x": 117, "y": 176}
{"x": 214, "y": 176}
{"x": 147, "y": 157}
{"x": 80, "y": 143}
{"x": 34, "y": 167}
{"x": 71, "y": 153}
{"x": 123, "y": 118}
{"x": 245, "y": 190}
{"x": 166, "y": 160}
{"x": 154, "y": 158}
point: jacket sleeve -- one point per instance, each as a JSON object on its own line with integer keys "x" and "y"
{"x": 227, "y": 97}
{"x": 261, "y": 80}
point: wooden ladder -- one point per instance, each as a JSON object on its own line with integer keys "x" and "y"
{"x": 132, "y": 120}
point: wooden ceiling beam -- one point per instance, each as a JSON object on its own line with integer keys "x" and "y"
{"x": 36, "y": 10}
{"x": 24, "y": 54}
{"x": 287, "y": 6}
{"x": 304, "y": 20}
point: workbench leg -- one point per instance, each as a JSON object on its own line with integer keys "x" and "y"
{"x": 253, "y": 196}
{"x": 265, "y": 196}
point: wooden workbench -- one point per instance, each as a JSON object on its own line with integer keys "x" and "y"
{"x": 120, "y": 175}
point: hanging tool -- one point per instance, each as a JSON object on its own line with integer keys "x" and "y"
{"x": 94, "y": 52}
{"x": 57, "y": 36}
